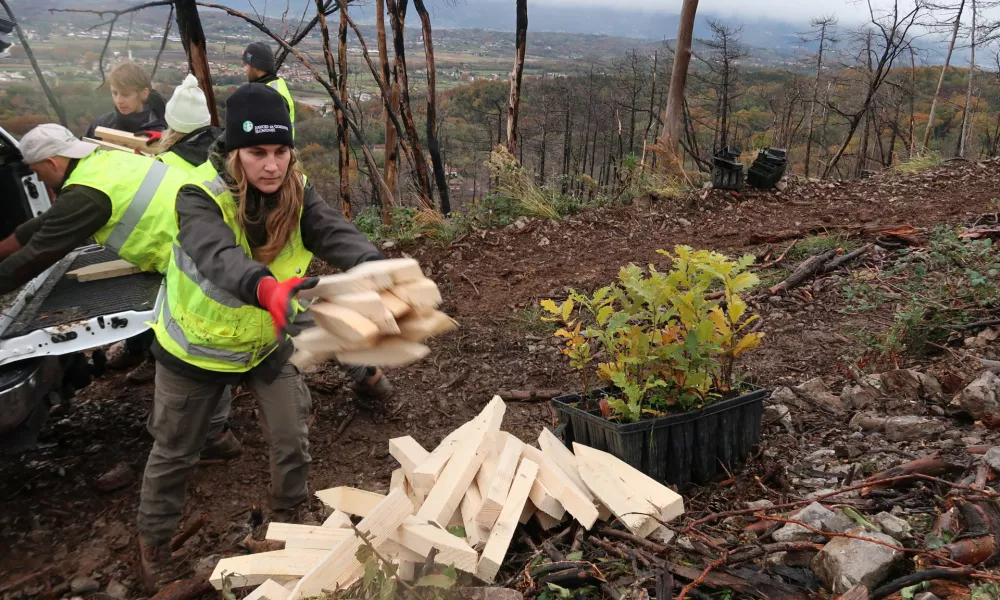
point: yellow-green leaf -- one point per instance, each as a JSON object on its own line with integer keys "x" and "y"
{"x": 550, "y": 306}
{"x": 749, "y": 342}
{"x": 567, "y": 308}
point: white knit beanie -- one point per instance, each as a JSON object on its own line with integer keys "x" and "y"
{"x": 187, "y": 109}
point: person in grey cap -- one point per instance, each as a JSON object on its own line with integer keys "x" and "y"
{"x": 259, "y": 66}
{"x": 95, "y": 192}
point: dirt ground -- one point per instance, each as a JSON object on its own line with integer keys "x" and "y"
{"x": 53, "y": 518}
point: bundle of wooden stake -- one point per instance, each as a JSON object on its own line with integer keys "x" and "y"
{"x": 377, "y": 314}
{"x": 479, "y": 477}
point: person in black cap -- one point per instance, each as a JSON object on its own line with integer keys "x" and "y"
{"x": 246, "y": 236}
{"x": 258, "y": 64}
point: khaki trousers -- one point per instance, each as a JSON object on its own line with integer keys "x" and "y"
{"x": 179, "y": 422}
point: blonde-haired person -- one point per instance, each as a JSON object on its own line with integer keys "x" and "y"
{"x": 138, "y": 107}
{"x": 189, "y": 135}
{"x": 247, "y": 233}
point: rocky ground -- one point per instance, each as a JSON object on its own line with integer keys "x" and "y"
{"x": 831, "y": 424}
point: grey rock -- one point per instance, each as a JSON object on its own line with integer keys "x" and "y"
{"x": 490, "y": 593}
{"x": 893, "y": 526}
{"x": 912, "y": 428}
{"x": 757, "y": 504}
{"x": 683, "y": 222}
{"x": 868, "y": 421}
{"x": 779, "y": 413}
{"x": 981, "y": 397}
{"x": 815, "y": 515}
{"x": 925, "y": 596}
{"x": 859, "y": 397}
{"x": 937, "y": 410}
{"x": 820, "y": 455}
{"x": 83, "y": 585}
{"x": 930, "y": 386}
{"x": 783, "y": 395}
{"x": 846, "y": 562}
{"x": 992, "y": 458}
{"x": 902, "y": 383}
{"x": 116, "y": 590}
{"x": 814, "y": 393}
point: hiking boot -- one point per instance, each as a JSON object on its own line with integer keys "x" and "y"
{"x": 155, "y": 566}
{"x": 302, "y": 514}
{"x": 144, "y": 373}
{"x": 373, "y": 391}
{"x": 125, "y": 360}
{"x": 225, "y": 447}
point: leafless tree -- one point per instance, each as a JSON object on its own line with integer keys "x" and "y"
{"x": 955, "y": 24}
{"x": 433, "y": 146}
{"x": 673, "y": 113}
{"x": 723, "y": 65}
{"x": 520, "y": 48}
{"x": 56, "y": 106}
{"x": 822, "y": 32}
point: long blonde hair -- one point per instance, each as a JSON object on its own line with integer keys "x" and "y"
{"x": 282, "y": 221}
{"x": 167, "y": 141}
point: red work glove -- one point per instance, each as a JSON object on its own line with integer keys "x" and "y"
{"x": 154, "y": 136}
{"x": 276, "y": 298}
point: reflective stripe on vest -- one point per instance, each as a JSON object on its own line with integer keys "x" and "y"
{"x": 281, "y": 87}
{"x": 186, "y": 265}
{"x": 176, "y": 334}
{"x": 137, "y": 207}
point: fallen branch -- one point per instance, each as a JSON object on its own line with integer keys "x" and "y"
{"x": 185, "y": 589}
{"x": 919, "y": 577}
{"x": 840, "y": 261}
{"x": 17, "y": 583}
{"x": 807, "y": 268}
{"x": 192, "y": 528}
{"x": 925, "y": 465}
{"x": 528, "y": 395}
{"x": 780, "y": 258}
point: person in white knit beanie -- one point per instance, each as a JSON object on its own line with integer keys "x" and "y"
{"x": 189, "y": 133}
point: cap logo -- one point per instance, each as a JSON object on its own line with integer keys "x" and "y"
{"x": 248, "y": 126}
{"x": 249, "y": 56}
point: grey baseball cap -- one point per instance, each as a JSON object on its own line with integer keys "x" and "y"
{"x": 50, "y": 139}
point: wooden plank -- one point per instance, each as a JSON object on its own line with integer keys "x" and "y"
{"x": 563, "y": 457}
{"x": 546, "y": 521}
{"x": 503, "y": 476}
{"x": 338, "y": 520}
{"x": 282, "y": 532}
{"x": 269, "y": 590}
{"x": 369, "y": 305}
{"x": 419, "y": 294}
{"x": 485, "y": 474}
{"x": 318, "y": 342}
{"x": 389, "y": 352}
{"x": 408, "y": 453}
{"x": 104, "y": 270}
{"x": 427, "y": 472}
{"x": 443, "y": 499}
{"x": 390, "y": 549}
{"x": 407, "y": 570}
{"x": 254, "y": 569}
{"x": 452, "y": 550}
{"x": 633, "y": 510}
{"x": 503, "y": 532}
{"x": 347, "y": 283}
{"x": 418, "y": 328}
{"x": 305, "y": 361}
{"x": 397, "y": 307}
{"x": 670, "y": 503}
{"x": 475, "y": 533}
{"x": 577, "y": 502}
{"x": 122, "y": 138}
{"x": 350, "y": 329}
{"x": 545, "y": 501}
{"x": 355, "y": 502}
{"x": 401, "y": 270}
{"x": 527, "y": 512}
{"x": 108, "y": 145}
{"x": 340, "y": 567}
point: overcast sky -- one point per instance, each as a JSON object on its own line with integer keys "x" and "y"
{"x": 795, "y": 11}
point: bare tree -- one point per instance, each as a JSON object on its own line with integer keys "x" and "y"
{"x": 890, "y": 30}
{"x": 821, "y": 32}
{"x": 391, "y": 105}
{"x": 966, "y": 121}
{"x": 60, "y": 113}
{"x": 944, "y": 69}
{"x": 520, "y": 48}
{"x": 723, "y": 64}
{"x": 193, "y": 40}
{"x": 433, "y": 146}
{"x": 672, "y": 114}
{"x": 344, "y": 153}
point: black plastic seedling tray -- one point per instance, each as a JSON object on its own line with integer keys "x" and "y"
{"x": 679, "y": 449}
{"x": 727, "y": 171}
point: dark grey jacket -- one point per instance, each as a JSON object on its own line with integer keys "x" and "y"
{"x": 212, "y": 246}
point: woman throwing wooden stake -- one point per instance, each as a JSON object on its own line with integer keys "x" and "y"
{"x": 246, "y": 237}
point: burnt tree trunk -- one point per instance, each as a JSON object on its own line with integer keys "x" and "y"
{"x": 193, "y": 39}
{"x": 391, "y": 143}
{"x": 397, "y": 20}
{"x": 672, "y": 114}
{"x": 60, "y": 113}
{"x": 440, "y": 177}
{"x": 944, "y": 70}
{"x": 520, "y": 47}
{"x": 344, "y": 155}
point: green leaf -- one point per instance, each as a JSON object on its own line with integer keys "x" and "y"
{"x": 550, "y": 306}
{"x": 458, "y": 531}
{"x": 388, "y": 591}
{"x": 438, "y": 581}
{"x": 561, "y": 592}
{"x": 578, "y": 555}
